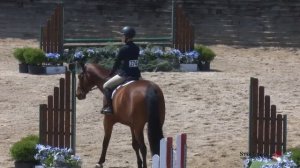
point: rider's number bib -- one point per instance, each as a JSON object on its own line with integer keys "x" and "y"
{"x": 133, "y": 63}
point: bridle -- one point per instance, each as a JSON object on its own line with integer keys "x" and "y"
{"x": 81, "y": 79}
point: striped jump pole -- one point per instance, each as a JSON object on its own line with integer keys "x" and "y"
{"x": 170, "y": 157}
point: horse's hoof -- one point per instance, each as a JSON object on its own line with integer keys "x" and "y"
{"x": 99, "y": 166}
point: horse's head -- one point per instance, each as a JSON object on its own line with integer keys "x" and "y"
{"x": 84, "y": 86}
{"x": 91, "y": 75}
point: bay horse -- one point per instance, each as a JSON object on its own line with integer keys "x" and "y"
{"x": 134, "y": 105}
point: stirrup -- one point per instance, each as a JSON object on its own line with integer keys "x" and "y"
{"x": 106, "y": 110}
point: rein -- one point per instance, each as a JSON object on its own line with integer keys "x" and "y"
{"x": 95, "y": 87}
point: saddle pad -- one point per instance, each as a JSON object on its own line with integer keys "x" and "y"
{"x": 125, "y": 84}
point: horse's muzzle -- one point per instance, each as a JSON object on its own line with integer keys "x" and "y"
{"x": 80, "y": 96}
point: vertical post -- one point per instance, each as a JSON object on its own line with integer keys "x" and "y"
{"x": 61, "y": 112}
{"x": 177, "y": 27}
{"x": 273, "y": 130}
{"x": 43, "y": 124}
{"x": 253, "y": 108}
{"x": 166, "y": 152}
{"x": 68, "y": 109}
{"x": 267, "y": 126}
{"x": 284, "y": 133}
{"x": 73, "y": 68}
{"x": 56, "y": 117}
{"x": 250, "y": 118}
{"x": 261, "y": 120}
{"x": 181, "y": 151}
{"x": 155, "y": 161}
{"x": 192, "y": 37}
{"x": 279, "y": 131}
{"x": 61, "y": 28}
{"x": 41, "y": 37}
{"x": 173, "y": 23}
{"x": 50, "y": 120}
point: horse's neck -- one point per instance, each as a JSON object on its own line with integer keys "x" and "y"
{"x": 101, "y": 73}
{"x": 100, "y": 76}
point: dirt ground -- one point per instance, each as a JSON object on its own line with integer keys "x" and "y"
{"x": 211, "y": 107}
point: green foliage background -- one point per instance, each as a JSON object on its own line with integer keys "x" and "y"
{"x": 151, "y": 60}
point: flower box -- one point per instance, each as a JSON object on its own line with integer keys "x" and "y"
{"x": 39, "y": 166}
{"x": 50, "y": 70}
{"x": 54, "y": 157}
{"x": 36, "y": 69}
{"x": 189, "y": 67}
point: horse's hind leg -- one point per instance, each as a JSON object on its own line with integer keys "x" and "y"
{"x": 135, "y": 146}
{"x": 140, "y": 139}
{"x": 107, "y": 134}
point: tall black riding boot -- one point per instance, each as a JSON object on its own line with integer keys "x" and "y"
{"x": 107, "y": 108}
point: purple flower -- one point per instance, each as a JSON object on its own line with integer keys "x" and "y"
{"x": 52, "y": 55}
{"x": 78, "y": 55}
{"x": 57, "y": 157}
{"x": 158, "y": 52}
{"x": 175, "y": 52}
{"x": 192, "y": 54}
{"x": 90, "y": 51}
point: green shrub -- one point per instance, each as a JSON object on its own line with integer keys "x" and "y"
{"x": 107, "y": 63}
{"x": 34, "y": 56}
{"x": 206, "y": 54}
{"x": 164, "y": 66}
{"x": 18, "y": 54}
{"x": 25, "y": 149}
{"x": 295, "y": 155}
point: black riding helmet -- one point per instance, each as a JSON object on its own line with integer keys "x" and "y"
{"x": 128, "y": 32}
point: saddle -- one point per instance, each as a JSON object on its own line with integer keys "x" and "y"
{"x": 125, "y": 83}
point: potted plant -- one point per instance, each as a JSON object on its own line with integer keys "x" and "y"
{"x": 18, "y": 54}
{"x": 188, "y": 61}
{"x": 35, "y": 57}
{"x": 23, "y": 152}
{"x": 207, "y": 55}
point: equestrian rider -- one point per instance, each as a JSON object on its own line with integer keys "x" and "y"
{"x": 126, "y": 66}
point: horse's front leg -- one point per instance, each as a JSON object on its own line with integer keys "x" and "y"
{"x": 108, "y": 125}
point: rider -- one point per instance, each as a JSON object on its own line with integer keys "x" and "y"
{"x": 126, "y": 65}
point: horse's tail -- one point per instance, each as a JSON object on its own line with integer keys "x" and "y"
{"x": 155, "y": 106}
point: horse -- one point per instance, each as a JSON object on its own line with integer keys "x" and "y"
{"x": 134, "y": 105}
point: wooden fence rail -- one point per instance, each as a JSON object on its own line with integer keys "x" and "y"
{"x": 183, "y": 31}
{"x": 267, "y": 130}
{"x": 57, "y": 118}
{"x": 52, "y": 34}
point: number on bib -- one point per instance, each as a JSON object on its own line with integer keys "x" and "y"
{"x": 133, "y": 63}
